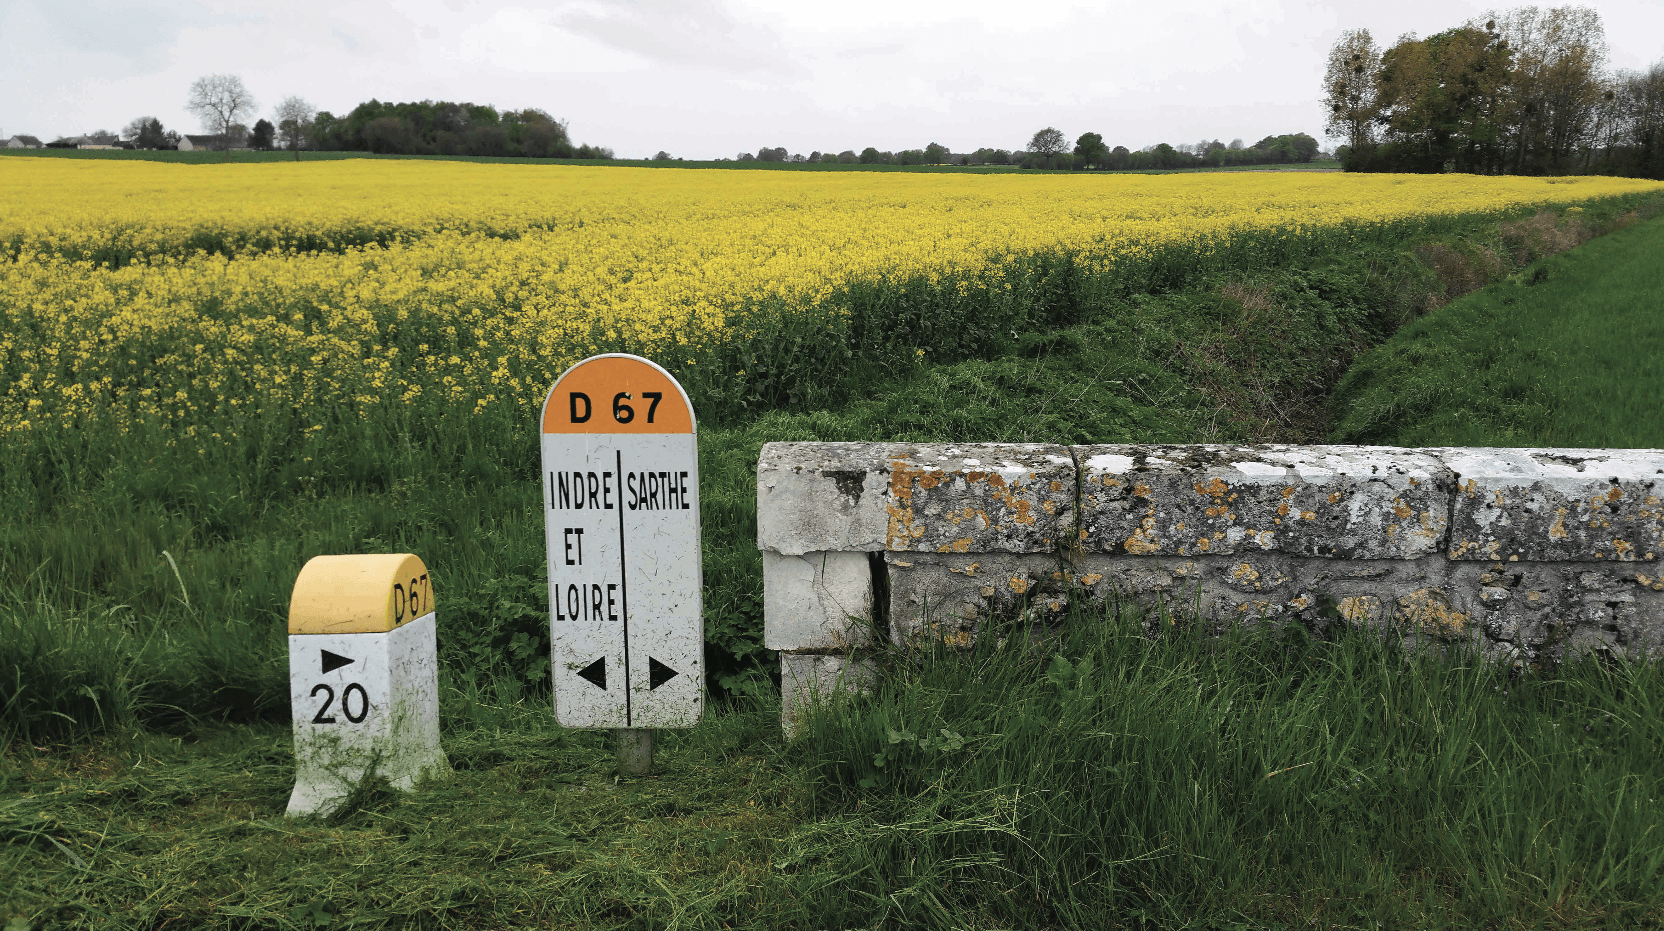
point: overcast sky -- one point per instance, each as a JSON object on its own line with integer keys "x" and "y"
{"x": 710, "y": 78}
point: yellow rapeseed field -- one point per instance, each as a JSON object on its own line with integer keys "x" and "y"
{"x": 195, "y": 296}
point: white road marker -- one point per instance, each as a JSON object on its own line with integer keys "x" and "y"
{"x": 621, "y": 502}
{"x": 363, "y": 677}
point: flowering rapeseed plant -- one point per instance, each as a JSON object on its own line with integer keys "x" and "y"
{"x": 195, "y": 296}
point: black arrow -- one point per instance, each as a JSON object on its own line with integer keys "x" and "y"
{"x": 658, "y": 673}
{"x": 595, "y": 673}
{"x": 334, "y": 661}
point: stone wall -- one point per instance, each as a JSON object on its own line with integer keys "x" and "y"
{"x": 1531, "y": 555}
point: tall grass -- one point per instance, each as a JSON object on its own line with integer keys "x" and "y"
{"x": 1569, "y": 352}
{"x": 1098, "y": 776}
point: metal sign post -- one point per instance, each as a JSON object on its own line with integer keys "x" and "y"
{"x": 621, "y": 505}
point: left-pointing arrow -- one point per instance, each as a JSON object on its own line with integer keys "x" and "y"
{"x": 334, "y": 661}
{"x": 595, "y": 673}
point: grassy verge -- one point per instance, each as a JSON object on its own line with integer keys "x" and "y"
{"x": 1568, "y": 352}
{"x": 1101, "y": 779}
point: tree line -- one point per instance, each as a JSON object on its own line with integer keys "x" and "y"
{"x": 224, "y": 105}
{"x": 1526, "y": 91}
{"x": 440, "y": 127}
{"x": 1049, "y": 148}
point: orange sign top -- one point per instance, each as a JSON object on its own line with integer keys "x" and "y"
{"x": 617, "y": 394}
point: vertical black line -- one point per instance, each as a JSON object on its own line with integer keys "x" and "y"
{"x": 624, "y": 590}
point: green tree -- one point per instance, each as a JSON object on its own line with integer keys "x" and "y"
{"x": 871, "y": 156}
{"x": 1349, "y": 89}
{"x": 935, "y": 153}
{"x": 262, "y": 135}
{"x": 146, "y": 132}
{"x": 1090, "y": 150}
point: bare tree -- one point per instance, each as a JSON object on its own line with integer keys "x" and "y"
{"x": 1048, "y": 141}
{"x": 294, "y": 121}
{"x": 220, "y": 101}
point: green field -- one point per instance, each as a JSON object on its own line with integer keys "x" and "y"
{"x": 1568, "y": 352}
{"x": 1104, "y": 779}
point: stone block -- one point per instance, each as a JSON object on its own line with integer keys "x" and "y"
{"x": 1543, "y": 505}
{"x": 1348, "y": 502}
{"x": 817, "y": 601}
{"x": 806, "y": 678}
{"x": 822, "y": 497}
{"x": 979, "y": 498}
{"x": 947, "y": 597}
{"x": 1253, "y": 587}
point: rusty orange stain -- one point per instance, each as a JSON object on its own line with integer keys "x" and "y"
{"x": 1557, "y": 531}
{"x": 961, "y": 545}
{"x": 1282, "y": 509}
{"x": 1401, "y": 509}
{"x": 1141, "y": 490}
{"x": 1214, "y": 487}
{"x": 1057, "y": 486}
{"x": 1018, "y": 584}
{"x": 1288, "y": 492}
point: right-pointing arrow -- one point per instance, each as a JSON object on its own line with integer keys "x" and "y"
{"x": 658, "y": 673}
{"x": 595, "y": 673}
{"x": 334, "y": 661}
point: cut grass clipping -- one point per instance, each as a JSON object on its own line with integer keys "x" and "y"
{"x": 1568, "y": 353}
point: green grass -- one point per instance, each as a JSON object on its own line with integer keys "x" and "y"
{"x": 1569, "y": 352}
{"x": 1094, "y": 779}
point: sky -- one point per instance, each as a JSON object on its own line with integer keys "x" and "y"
{"x": 712, "y": 78}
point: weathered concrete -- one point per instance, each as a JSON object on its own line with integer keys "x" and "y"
{"x": 1528, "y": 555}
{"x": 817, "y": 601}
{"x": 947, "y": 596}
{"x": 822, "y": 497}
{"x": 979, "y": 498}
{"x": 1347, "y": 502}
{"x": 1557, "y": 504}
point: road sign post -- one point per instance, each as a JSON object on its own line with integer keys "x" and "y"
{"x": 621, "y": 504}
{"x": 363, "y": 677}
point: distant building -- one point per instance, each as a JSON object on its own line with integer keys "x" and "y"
{"x": 98, "y": 141}
{"x": 21, "y": 142}
{"x": 211, "y": 143}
